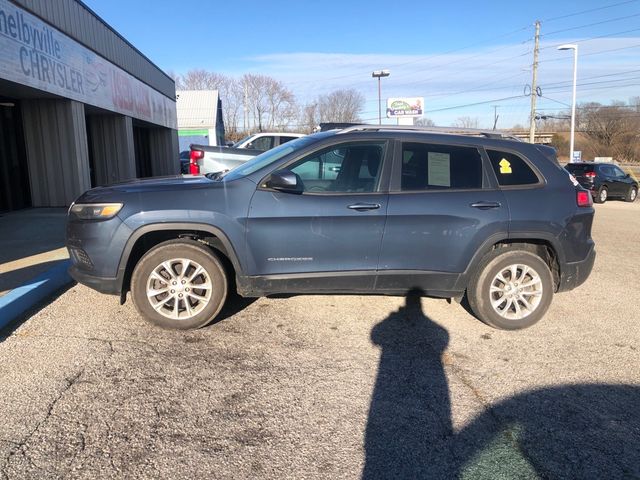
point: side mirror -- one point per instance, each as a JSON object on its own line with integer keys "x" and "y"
{"x": 283, "y": 181}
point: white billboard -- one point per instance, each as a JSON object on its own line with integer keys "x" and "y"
{"x": 35, "y": 54}
{"x": 405, "y": 107}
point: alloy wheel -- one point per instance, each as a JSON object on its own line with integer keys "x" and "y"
{"x": 516, "y": 291}
{"x": 179, "y": 288}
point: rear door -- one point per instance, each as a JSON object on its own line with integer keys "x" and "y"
{"x": 442, "y": 208}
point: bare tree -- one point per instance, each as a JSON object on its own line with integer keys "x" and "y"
{"x": 281, "y": 104}
{"x": 466, "y": 122}
{"x": 611, "y": 131}
{"x": 561, "y": 144}
{"x": 231, "y": 94}
{"x": 425, "y": 122}
{"x": 339, "y": 106}
{"x": 342, "y": 105}
{"x": 256, "y": 88}
{"x": 200, "y": 79}
{"x": 308, "y": 117}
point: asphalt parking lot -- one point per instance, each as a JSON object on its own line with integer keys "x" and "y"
{"x": 333, "y": 386}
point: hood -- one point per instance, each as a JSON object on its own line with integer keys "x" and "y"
{"x": 155, "y": 184}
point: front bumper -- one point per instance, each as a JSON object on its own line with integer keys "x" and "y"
{"x": 574, "y": 274}
{"x": 111, "y": 286}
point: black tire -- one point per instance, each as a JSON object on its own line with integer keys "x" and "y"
{"x": 205, "y": 310}
{"x": 479, "y": 293}
{"x": 602, "y": 195}
{"x": 632, "y": 194}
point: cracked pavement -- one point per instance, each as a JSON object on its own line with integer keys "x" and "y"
{"x": 333, "y": 386}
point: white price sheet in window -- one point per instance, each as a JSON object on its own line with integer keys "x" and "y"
{"x": 439, "y": 169}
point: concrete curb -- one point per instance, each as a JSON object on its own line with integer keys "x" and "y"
{"x": 22, "y": 298}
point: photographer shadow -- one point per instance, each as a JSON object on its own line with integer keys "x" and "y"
{"x": 572, "y": 431}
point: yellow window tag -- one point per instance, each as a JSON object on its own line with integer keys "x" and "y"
{"x": 505, "y": 166}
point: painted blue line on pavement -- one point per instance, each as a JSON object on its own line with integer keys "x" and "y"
{"x": 22, "y": 298}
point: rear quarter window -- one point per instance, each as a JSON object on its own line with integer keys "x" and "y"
{"x": 511, "y": 169}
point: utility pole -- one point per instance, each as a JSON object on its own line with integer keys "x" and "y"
{"x": 379, "y": 74}
{"x": 244, "y": 105}
{"x": 534, "y": 86}
{"x": 495, "y": 116}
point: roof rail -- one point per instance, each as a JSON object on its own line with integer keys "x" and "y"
{"x": 474, "y": 132}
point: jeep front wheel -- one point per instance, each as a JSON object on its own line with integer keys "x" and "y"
{"x": 511, "y": 290}
{"x": 179, "y": 284}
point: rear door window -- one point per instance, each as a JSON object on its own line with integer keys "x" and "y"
{"x": 511, "y": 169}
{"x": 284, "y": 139}
{"x": 440, "y": 167}
{"x": 262, "y": 143}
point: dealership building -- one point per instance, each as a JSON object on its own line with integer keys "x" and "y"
{"x": 79, "y": 106}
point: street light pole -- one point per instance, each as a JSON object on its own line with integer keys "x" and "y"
{"x": 573, "y": 47}
{"x": 379, "y": 74}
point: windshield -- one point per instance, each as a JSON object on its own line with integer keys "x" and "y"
{"x": 269, "y": 157}
{"x": 237, "y": 144}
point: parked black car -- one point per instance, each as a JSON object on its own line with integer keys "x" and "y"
{"x": 366, "y": 209}
{"x": 604, "y": 180}
{"x": 184, "y": 162}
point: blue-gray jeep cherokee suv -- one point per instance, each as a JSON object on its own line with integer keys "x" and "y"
{"x": 365, "y": 209}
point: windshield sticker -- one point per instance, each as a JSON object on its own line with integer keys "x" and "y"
{"x": 505, "y": 166}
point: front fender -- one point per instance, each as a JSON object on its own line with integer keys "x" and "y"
{"x": 225, "y": 238}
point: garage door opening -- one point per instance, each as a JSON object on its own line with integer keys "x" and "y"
{"x": 142, "y": 147}
{"x": 14, "y": 175}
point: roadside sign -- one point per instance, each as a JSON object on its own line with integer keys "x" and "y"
{"x": 577, "y": 156}
{"x": 405, "y": 107}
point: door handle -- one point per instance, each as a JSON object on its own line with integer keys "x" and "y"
{"x": 361, "y": 207}
{"x": 486, "y": 205}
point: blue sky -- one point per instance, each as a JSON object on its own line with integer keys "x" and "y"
{"x": 455, "y": 54}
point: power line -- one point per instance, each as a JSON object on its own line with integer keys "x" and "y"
{"x": 585, "y": 40}
{"x": 615, "y": 81}
{"x": 476, "y": 103}
{"x": 593, "y": 53}
{"x": 606, "y": 87}
{"x": 594, "y": 76}
{"x": 552, "y": 19}
{"x": 479, "y": 88}
{"x": 421, "y": 81}
{"x": 556, "y": 101}
{"x": 592, "y": 24}
{"x": 431, "y": 57}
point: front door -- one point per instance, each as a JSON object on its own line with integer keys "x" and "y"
{"x": 332, "y": 230}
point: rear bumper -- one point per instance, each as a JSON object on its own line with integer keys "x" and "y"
{"x": 111, "y": 286}
{"x": 574, "y": 274}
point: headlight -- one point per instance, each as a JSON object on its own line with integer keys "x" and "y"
{"x": 95, "y": 211}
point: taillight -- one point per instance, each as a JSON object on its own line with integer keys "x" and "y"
{"x": 590, "y": 175}
{"x": 583, "y": 198}
{"x": 194, "y": 156}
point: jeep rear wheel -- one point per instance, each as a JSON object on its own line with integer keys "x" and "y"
{"x": 179, "y": 284}
{"x": 511, "y": 290}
